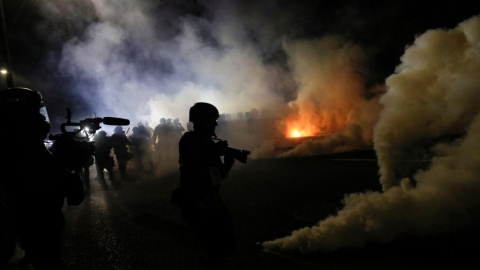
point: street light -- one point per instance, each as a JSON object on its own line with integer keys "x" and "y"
{"x": 6, "y": 50}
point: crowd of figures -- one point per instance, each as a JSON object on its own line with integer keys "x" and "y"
{"x": 144, "y": 149}
{"x": 154, "y": 150}
{"x": 39, "y": 182}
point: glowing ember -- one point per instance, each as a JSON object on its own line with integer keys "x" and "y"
{"x": 296, "y": 129}
{"x": 310, "y": 124}
{"x": 295, "y": 133}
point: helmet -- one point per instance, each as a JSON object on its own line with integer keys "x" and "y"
{"x": 24, "y": 107}
{"x": 118, "y": 129}
{"x": 169, "y": 121}
{"x": 202, "y": 110}
{"x": 102, "y": 134}
{"x": 21, "y": 101}
{"x": 163, "y": 120}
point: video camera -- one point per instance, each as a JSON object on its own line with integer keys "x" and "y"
{"x": 74, "y": 147}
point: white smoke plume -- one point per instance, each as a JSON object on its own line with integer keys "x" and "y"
{"x": 434, "y": 92}
{"x": 129, "y": 63}
{"x": 146, "y": 60}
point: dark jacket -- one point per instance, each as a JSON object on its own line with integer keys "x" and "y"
{"x": 35, "y": 187}
{"x": 119, "y": 143}
{"x": 201, "y": 167}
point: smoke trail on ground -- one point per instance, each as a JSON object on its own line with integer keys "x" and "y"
{"x": 433, "y": 94}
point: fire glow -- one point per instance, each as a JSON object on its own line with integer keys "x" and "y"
{"x": 312, "y": 125}
{"x": 295, "y": 133}
{"x": 297, "y": 129}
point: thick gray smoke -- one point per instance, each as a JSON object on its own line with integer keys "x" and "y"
{"x": 144, "y": 60}
{"x": 134, "y": 65}
{"x": 434, "y": 92}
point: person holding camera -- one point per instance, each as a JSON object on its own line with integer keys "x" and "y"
{"x": 34, "y": 184}
{"x": 202, "y": 170}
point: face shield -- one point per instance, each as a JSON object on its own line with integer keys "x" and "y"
{"x": 43, "y": 111}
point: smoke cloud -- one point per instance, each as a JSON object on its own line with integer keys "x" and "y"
{"x": 433, "y": 95}
{"x": 144, "y": 60}
{"x": 158, "y": 58}
{"x": 145, "y": 67}
{"x": 332, "y": 104}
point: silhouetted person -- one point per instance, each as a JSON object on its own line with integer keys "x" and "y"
{"x": 34, "y": 184}
{"x": 171, "y": 141}
{"x": 160, "y": 134}
{"x": 201, "y": 173}
{"x": 76, "y": 154}
{"x": 148, "y": 127}
{"x": 178, "y": 130}
{"x": 142, "y": 147}
{"x": 84, "y": 171}
{"x": 103, "y": 159}
{"x": 120, "y": 149}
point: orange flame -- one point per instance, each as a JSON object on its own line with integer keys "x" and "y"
{"x": 300, "y": 128}
{"x": 305, "y": 125}
{"x": 295, "y": 133}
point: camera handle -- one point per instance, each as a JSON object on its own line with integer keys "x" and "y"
{"x": 63, "y": 128}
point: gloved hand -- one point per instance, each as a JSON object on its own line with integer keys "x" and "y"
{"x": 228, "y": 160}
{"x": 221, "y": 147}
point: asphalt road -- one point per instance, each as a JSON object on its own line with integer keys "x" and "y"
{"x": 132, "y": 224}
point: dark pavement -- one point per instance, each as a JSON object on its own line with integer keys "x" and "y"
{"x": 133, "y": 225}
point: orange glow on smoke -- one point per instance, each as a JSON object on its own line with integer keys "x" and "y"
{"x": 295, "y": 133}
{"x": 309, "y": 124}
{"x": 298, "y": 128}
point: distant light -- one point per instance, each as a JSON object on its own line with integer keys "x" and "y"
{"x": 3, "y": 71}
